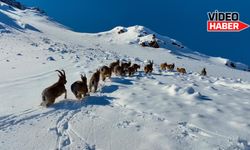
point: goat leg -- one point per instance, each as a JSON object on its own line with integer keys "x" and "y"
{"x": 65, "y": 96}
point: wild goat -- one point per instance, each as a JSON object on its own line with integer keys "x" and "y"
{"x": 131, "y": 70}
{"x": 125, "y": 65}
{"x": 170, "y": 66}
{"x": 50, "y": 94}
{"x": 203, "y": 72}
{"x": 163, "y": 66}
{"x": 119, "y": 71}
{"x": 136, "y": 67}
{"x": 181, "y": 70}
{"x": 113, "y": 64}
{"x": 149, "y": 67}
{"x": 80, "y": 88}
{"x": 93, "y": 83}
{"x": 105, "y": 72}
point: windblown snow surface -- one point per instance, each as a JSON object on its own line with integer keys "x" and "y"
{"x": 161, "y": 111}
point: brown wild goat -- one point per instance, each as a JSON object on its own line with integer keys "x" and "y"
{"x": 80, "y": 88}
{"x": 113, "y": 64}
{"x": 105, "y": 72}
{"x": 170, "y": 66}
{"x": 203, "y": 72}
{"x": 125, "y": 65}
{"x": 50, "y": 94}
{"x": 149, "y": 67}
{"x": 131, "y": 70}
{"x": 136, "y": 67}
{"x": 163, "y": 66}
{"x": 93, "y": 83}
{"x": 119, "y": 71}
{"x": 181, "y": 70}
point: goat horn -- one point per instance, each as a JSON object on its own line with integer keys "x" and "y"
{"x": 63, "y": 72}
{"x": 82, "y": 75}
{"x": 59, "y": 72}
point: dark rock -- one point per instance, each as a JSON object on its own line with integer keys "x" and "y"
{"x": 121, "y": 31}
{"x": 51, "y": 58}
{"x": 178, "y": 45}
{"x": 174, "y": 43}
{"x": 154, "y": 44}
{"x": 230, "y": 64}
{"x": 153, "y": 37}
{"x": 143, "y": 44}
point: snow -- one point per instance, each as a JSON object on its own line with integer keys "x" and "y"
{"x": 162, "y": 110}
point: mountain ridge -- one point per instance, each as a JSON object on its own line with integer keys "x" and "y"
{"x": 135, "y": 35}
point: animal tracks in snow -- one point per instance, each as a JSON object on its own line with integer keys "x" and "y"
{"x": 58, "y": 118}
{"x": 122, "y": 111}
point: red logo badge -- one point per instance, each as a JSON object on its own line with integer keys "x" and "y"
{"x": 225, "y": 22}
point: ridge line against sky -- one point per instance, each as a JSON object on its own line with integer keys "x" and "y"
{"x": 184, "y": 21}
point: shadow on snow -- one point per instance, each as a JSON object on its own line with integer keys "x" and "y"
{"x": 78, "y": 104}
{"x": 69, "y": 105}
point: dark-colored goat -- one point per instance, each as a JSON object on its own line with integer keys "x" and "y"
{"x": 149, "y": 67}
{"x": 105, "y": 72}
{"x": 50, "y": 94}
{"x": 94, "y": 80}
{"x": 80, "y": 88}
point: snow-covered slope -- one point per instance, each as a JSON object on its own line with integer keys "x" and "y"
{"x": 164, "y": 110}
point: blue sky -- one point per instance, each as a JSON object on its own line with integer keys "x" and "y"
{"x": 179, "y": 19}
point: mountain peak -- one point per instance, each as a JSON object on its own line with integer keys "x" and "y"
{"x": 142, "y": 36}
{"x": 136, "y": 35}
{"x": 14, "y": 3}
{"x": 18, "y": 5}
